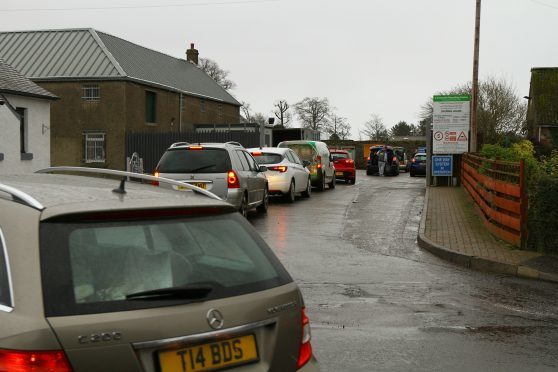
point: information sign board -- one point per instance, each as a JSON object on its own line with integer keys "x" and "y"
{"x": 442, "y": 165}
{"x": 450, "y": 124}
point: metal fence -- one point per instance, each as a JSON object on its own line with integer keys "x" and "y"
{"x": 498, "y": 189}
{"x": 151, "y": 146}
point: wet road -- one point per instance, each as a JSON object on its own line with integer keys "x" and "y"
{"x": 377, "y": 302}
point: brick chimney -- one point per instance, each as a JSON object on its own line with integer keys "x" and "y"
{"x": 192, "y": 54}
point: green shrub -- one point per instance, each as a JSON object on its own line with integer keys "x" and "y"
{"x": 543, "y": 215}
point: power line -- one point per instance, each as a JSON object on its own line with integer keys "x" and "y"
{"x": 544, "y": 4}
{"x": 214, "y": 3}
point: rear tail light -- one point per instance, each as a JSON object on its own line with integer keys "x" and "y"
{"x": 413, "y": 160}
{"x": 368, "y": 158}
{"x": 155, "y": 183}
{"x": 232, "y": 180}
{"x": 319, "y": 161}
{"x": 394, "y": 158}
{"x": 305, "y": 352}
{"x": 24, "y": 360}
{"x": 279, "y": 168}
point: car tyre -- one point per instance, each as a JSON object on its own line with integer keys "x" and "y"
{"x": 243, "y": 210}
{"x": 262, "y": 208}
{"x": 322, "y": 185}
{"x": 306, "y": 193}
{"x": 411, "y": 174}
{"x": 332, "y": 183}
{"x": 290, "y": 195}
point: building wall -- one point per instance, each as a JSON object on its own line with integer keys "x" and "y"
{"x": 121, "y": 108}
{"x": 38, "y": 143}
{"x": 543, "y": 101}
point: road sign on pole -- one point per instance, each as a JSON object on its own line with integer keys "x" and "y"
{"x": 442, "y": 165}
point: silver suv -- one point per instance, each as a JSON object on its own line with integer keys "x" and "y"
{"x": 225, "y": 169}
{"x": 98, "y": 274}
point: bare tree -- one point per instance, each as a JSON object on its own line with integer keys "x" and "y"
{"x": 338, "y": 127}
{"x": 501, "y": 111}
{"x": 282, "y": 113}
{"x": 313, "y": 112}
{"x": 246, "y": 112}
{"x": 374, "y": 129}
{"x": 259, "y": 118}
{"x": 211, "y": 68}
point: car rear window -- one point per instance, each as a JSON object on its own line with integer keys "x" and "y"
{"x": 206, "y": 160}
{"x": 268, "y": 158}
{"x": 339, "y": 155}
{"x": 420, "y": 157}
{"x": 90, "y": 266}
{"x": 304, "y": 151}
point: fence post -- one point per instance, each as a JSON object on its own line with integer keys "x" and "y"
{"x": 524, "y": 200}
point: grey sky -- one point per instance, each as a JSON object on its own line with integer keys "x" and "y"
{"x": 365, "y": 56}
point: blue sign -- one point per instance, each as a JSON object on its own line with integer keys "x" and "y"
{"x": 442, "y": 165}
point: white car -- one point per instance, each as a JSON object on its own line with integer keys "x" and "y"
{"x": 286, "y": 174}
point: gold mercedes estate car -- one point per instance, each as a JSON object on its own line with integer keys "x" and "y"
{"x": 100, "y": 274}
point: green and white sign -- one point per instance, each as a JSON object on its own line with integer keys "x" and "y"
{"x": 450, "y": 124}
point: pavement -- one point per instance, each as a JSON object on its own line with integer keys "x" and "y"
{"x": 451, "y": 229}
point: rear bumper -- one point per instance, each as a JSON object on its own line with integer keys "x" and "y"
{"x": 278, "y": 184}
{"x": 234, "y": 197}
{"x": 311, "y": 366}
{"x": 348, "y": 174}
{"x": 418, "y": 170}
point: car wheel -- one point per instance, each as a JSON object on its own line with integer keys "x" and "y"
{"x": 368, "y": 173}
{"x": 332, "y": 183}
{"x": 243, "y": 210}
{"x": 290, "y": 195}
{"x": 322, "y": 185}
{"x": 411, "y": 174}
{"x": 306, "y": 193}
{"x": 262, "y": 208}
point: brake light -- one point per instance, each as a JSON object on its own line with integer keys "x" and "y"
{"x": 319, "y": 161}
{"x": 257, "y": 153}
{"x": 232, "y": 180}
{"x": 368, "y": 158}
{"x": 279, "y": 168}
{"x": 155, "y": 183}
{"x": 195, "y": 147}
{"x": 394, "y": 158}
{"x": 413, "y": 160}
{"x": 23, "y": 360}
{"x": 305, "y": 352}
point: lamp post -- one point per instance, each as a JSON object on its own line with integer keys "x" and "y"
{"x": 475, "y": 92}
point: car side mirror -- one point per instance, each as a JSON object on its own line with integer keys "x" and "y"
{"x": 305, "y": 163}
{"x": 262, "y": 168}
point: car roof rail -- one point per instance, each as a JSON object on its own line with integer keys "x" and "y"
{"x": 176, "y": 144}
{"x": 234, "y": 143}
{"x": 21, "y": 196}
{"x": 114, "y": 172}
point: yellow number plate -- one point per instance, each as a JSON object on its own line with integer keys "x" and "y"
{"x": 201, "y": 185}
{"x": 211, "y": 356}
{"x": 338, "y": 173}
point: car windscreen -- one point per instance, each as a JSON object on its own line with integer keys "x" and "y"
{"x": 268, "y": 158}
{"x": 339, "y": 155}
{"x": 92, "y": 266}
{"x": 205, "y": 160}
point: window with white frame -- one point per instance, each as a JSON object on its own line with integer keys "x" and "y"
{"x": 94, "y": 147}
{"x": 91, "y": 92}
{"x": 202, "y": 105}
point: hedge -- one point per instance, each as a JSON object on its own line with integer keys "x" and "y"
{"x": 543, "y": 215}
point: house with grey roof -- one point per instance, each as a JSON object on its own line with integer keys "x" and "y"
{"x": 24, "y": 123}
{"x": 109, "y": 87}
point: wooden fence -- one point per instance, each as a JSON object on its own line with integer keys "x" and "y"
{"x": 498, "y": 189}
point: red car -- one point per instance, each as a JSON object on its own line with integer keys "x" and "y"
{"x": 344, "y": 165}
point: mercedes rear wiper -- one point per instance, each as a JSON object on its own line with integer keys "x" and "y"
{"x": 188, "y": 292}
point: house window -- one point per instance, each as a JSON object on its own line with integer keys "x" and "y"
{"x": 182, "y": 103}
{"x": 91, "y": 92}
{"x": 22, "y": 130}
{"x": 150, "y": 106}
{"x": 220, "y": 111}
{"x": 202, "y": 105}
{"x": 94, "y": 147}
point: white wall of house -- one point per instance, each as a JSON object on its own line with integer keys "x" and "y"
{"x": 37, "y": 122}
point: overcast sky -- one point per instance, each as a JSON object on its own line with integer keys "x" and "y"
{"x": 366, "y": 56}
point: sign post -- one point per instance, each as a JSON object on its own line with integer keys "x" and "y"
{"x": 450, "y": 131}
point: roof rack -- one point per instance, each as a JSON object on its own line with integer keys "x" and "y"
{"x": 114, "y": 172}
{"x": 176, "y": 144}
{"x": 22, "y": 197}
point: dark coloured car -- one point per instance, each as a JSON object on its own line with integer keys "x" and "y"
{"x": 392, "y": 164}
{"x": 418, "y": 165}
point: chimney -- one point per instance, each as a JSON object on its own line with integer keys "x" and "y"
{"x": 192, "y": 54}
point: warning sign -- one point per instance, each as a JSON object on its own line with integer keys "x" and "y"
{"x": 450, "y": 124}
